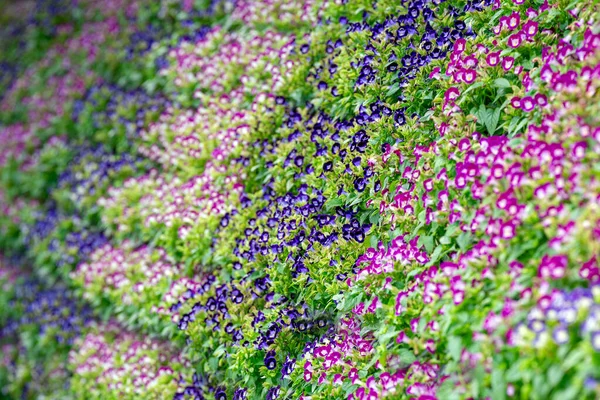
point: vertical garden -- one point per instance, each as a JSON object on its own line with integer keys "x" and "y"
{"x": 286, "y": 199}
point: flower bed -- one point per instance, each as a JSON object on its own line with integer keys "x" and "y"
{"x": 303, "y": 200}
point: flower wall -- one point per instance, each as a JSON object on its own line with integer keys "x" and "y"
{"x": 326, "y": 199}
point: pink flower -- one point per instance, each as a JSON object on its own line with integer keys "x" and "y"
{"x": 359, "y": 309}
{"x": 443, "y": 129}
{"x": 458, "y": 296}
{"x": 460, "y": 181}
{"x": 459, "y": 46}
{"x": 493, "y": 58}
{"x": 428, "y": 185}
{"x": 414, "y": 324}
{"x": 375, "y": 304}
{"x": 546, "y": 73}
{"x": 469, "y": 75}
{"x": 554, "y": 267}
{"x": 515, "y": 102}
{"x": 338, "y": 379}
{"x": 322, "y": 378}
{"x": 507, "y": 63}
{"x": 513, "y": 21}
{"x": 307, "y": 376}
{"x": 590, "y": 271}
{"x": 399, "y": 298}
{"x": 322, "y": 351}
{"x": 507, "y": 231}
{"x": 578, "y": 150}
{"x": 435, "y": 73}
{"x": 530, "y": 29}
{"x": 353, "y": 375}
{"x": 527, "y": 82}
{"x": 515, "y": 40}
{"x": 402, "y": 338}
{"x": 527, "y": 104}
{"x": 430, "y": 346}
{"x": 188, "y": 5}
{"x": 451, "y": 95}
{"x": 541, "y": 99}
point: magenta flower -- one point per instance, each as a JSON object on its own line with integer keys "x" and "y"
{"x": 515, "y": 102}
{"x": 512, "y": 22}
{"x": 527, "y": 104}
{"x": 493, "y": 58}
{"x": 578, "y": 150}
{"x": 469, "y": 75}
{"x": 530, "y": 29}
{"x": 515, "y": 40}
{"x": 507, "y": 63}
{"x": 451, "y": 95}
{"x": 590, "y": 271}
{"x": 541, "y": 99}
{"x": 554, "y": 267}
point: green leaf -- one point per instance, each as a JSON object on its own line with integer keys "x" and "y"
{"x": 393, "y": 89}
{"x": 436, "y": 255}
{"x": 569, "y": 393}
{"x": 498, "y": 384}
{"x": 470, "y": 88}
{"x": 455, "y": 347}
{"x": 555, "y": 374}
{"x": 445, "y": 240}
{"x": 573, "y": 359}
{"x": 517, "y": 128}
{"x": 463, "y": 240}
{"x": 331, "y": 203}
{"x": 386, "y": 337}
{"x": 447, "y": 391}
{"x": 490, "y": 119}
{"x": 502, "y": 83}
{"x": 426, "y": 241}
{"x": 407, "y": 356}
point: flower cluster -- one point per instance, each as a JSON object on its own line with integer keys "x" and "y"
{"x": 55, "y": 314}
{"x": 163, "y": 202}
{"x": 133, "y": 278}
{"x": 555, "y": 316}
{"x": 109, "y": 359}
{"x": 278, "y": 13}
{"x": 220, "y": 61}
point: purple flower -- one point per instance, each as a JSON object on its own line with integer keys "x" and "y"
{"x": 537, "y": 325}
{"x": 595, "y": 339}
{"x": 560, "y": 334}
{"x": 590, "y": 383}
{"x": 270, "y": 361}
{"x": 220, "y": 394}
{"x": 239, "y": 394}
{"x": 527, "y": 104}
{"x": 287, "y": 367}
{"x": 273, "y": 393}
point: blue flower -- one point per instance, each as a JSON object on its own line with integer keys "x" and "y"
{"x": 561, "y": 334}
{"x": 270, "y": 361}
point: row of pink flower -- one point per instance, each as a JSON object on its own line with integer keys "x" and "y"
{"x": 109, "y": 358}
{"x": 222, "y": 60}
